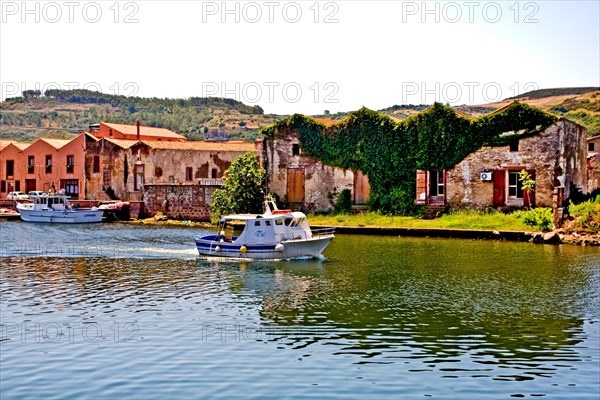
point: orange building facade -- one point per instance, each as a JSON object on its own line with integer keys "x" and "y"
{"x": 114, "y": 161}
{"x": 45, "y": 165}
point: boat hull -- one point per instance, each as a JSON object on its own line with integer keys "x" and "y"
{"x": 62, "y": 217}
{"x": 312, "y": 248}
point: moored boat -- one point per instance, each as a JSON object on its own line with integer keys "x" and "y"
{"x": 57, "y": 209}
{"x": 275, "y": 234}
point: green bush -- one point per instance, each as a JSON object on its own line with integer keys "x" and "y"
{"x": 587, "y": 215}
{"x": 344, "y": 202}
{"x": 539, "y": 218}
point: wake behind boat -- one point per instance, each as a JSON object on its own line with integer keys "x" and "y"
{"x": 57, "y": 209}
{"x": 275, "y": 234}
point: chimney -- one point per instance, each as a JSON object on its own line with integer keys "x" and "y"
{"x": 138, "y": 129}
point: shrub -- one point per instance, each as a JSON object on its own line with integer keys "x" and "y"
{"x": 587, "y": 215}
{"x": 344, "y": 202}
{"x": 242, "y": 190}
{"x": 539, "y": 218}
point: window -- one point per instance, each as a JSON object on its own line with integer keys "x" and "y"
{"x": 171, "y": 178}
{"x": 71, "y": 187}
{"x": 3, "y": 186}
{"x": 30, "y": 164}
{"x": 515, "y": 185}
{"x": 257, "y": 223}
{"x": 514, "y": 145}
{"x": 10, "y": 168}
{"x": 436, "y": 182}
{"x": 213, "y": 173}
{"x": 110, "y": 132}
{"x": 278, "y": 221}
{"x": 96, "y": 167}
{"x": 591, "y": 147}
{"x": 139, "y": 177}
{"x": 17, "y": 186}
{"x": 48, "y": 163}
{"x": 70, "y": 164}
{"x": 188, "y": 173}
{"x": 295, "y": 149}
{"x": 106, "y": 178}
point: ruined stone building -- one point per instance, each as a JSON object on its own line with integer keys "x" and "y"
{"x": 305, "y": 181}
{"x": 593, "y": 163}
{"x": 489, "y": 177}
{"x": 554, "y": 157}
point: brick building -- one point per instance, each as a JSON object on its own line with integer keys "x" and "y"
{"x": 125, "y": 162}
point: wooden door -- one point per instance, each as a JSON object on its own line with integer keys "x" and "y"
{"x": 295, "y": 185}
{"x": 499, "y": 181}
{"x": 362, "y": 188}
{"x": 29, "y": 185}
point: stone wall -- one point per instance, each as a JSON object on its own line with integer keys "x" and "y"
{"x": 185, "y": 201}
{"x": 111, "y": 158}
{"x": 561, "y": 147}
{"x": 320, "y": 180}
{"x": 593, "y": 172}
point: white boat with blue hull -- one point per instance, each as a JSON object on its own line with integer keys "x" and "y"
{"x": 275, "y": 234}
{"x": 57, "y": 209}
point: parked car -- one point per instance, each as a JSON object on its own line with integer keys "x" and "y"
{"x": 37, "y": 193}
{"x": 17, "y": 196}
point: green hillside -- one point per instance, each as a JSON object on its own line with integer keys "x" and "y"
{"x": 541, "y": 93}
{"x": 63, "y": 113}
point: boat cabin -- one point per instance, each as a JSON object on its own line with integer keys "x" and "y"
{"x": 265, "y": 228}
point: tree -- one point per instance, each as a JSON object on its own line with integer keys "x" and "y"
{"x": 242, "y": 190}
{"x": 527, "y": 185}
{"x": 31, "y": 94}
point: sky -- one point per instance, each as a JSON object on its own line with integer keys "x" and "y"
{"x": 301, "y": 56}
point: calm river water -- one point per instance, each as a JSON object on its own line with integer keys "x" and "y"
{"x": 119, "y": 311}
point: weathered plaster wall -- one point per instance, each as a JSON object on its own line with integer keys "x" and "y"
{"x": 561, "y": 145}
{"x": 593, "y": 172}
{"x": 172, "y": 164}
{"x": 112, "y": 158}
{"x": 319, "y": 179}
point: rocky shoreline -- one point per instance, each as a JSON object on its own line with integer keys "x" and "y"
{"x": 560, "y": 236}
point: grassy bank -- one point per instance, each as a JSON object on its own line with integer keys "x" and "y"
{"x": 492, "y": 220}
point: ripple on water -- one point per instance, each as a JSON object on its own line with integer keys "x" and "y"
{"x": 378, "y": 317}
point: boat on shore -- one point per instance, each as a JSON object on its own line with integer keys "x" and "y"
{"x": 274, "y": 234}
{"x": 56, "y": 208}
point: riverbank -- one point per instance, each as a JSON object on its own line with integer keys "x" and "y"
{"x": 463, "y": 225}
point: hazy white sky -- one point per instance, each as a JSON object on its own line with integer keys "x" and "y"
{"x": 301, "y": 56}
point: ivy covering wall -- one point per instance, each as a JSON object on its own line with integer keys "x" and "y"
{"x": 390, "y": 152}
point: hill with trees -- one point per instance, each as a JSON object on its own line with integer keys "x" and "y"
{"x": 64, "y": 113}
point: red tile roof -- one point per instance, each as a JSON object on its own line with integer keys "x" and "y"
{"x": 238, "y": 146}
{"x": 324, "y": 121}
{"x": 123, "y": 143}
{"x": 19, "y": 145}
{"x": 131, "y": 130}
{"x": 56, "y": 143}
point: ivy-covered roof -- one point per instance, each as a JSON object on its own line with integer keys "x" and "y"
{"x": 390, "y": 152}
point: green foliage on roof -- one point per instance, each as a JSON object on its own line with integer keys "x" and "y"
{"x": 390, "y": 152}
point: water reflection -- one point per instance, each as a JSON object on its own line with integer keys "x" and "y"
{"x": 396, "y": 311}
{"x": 491, "y": 306}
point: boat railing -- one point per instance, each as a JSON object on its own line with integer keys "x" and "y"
{"x": 322, "y": 231}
